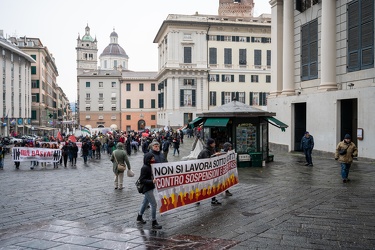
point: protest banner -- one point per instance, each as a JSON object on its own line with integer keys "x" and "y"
{"x": 36, "y": 154}
{"x": 186, "y": 182}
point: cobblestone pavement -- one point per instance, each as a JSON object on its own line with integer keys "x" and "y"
{"x": 284, "y": 205}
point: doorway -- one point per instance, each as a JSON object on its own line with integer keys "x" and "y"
{"x": 299, "y": 124}
{"x": 349, "y": 119}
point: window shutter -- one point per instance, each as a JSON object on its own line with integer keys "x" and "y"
{"x": 252, "y": 39}
{"x": 222, "y": 98}
{"x": 367, "y": 34}
{"x": 257, "y": 57}
{"x": 232, "y": 78}
{"x": 181, "y": 97}
{"x": 251, "y": 98}
{"x": 237, "y": 96}
{"x": 248, "y": 39}
{"x": 223, "y": 78}
{"x": 234, "y": 95}
{"x": 261, "y": 99}
{"x": 268, "y": 57}
{"x": 214, "y": 99}
{"x": 242, "y": 56}
{"x": 213, "y": 56}
{"x": 162, "y": 100}
{"x": 187, "y": 54}
{"x": 217, "y": 77}
{"x": 233, "y": 38}
{"x": 193, "y": 97}
{"x": 313, "y": 49}
{"x": 192, "y": 82}
{"x": 304, "y": 52}
{"x": 299, "y": 5}
{"x": 227, "y": 56}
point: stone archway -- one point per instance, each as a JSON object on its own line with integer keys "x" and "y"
{"x": 141, "y": 125}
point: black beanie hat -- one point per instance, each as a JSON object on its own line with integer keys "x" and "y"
{"x": 347, "y": 136}
{"x": 210, "y": 141}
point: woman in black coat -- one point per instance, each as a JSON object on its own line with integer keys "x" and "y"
{"x": 148, "y": 181}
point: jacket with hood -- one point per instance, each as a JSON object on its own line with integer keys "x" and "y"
{"x": 120, "y": 156}
{"x": 146, "y": 177}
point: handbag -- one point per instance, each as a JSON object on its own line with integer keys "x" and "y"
{"x": 139, "y": 186}
{"x": 130, "y": 173}
{"x": 120, "y": 166}
{"x": 343, "y": 151}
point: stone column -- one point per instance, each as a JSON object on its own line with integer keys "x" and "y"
{"x": 288, "y": 48}
{"x": 276, "y": 47}
{"x": 328, "y": 46}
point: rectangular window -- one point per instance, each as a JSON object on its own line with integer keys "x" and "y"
{"x": 153, "y": 117}
{"x": 302, "y": 5}
{"x": 35, "y": 84}
{"x": 33, "y": 56}
{"x": 227, "y": 56}
{"x": 268, "y": 78}
{"x": 152, "y": 86}
{"x": 241, "y": 78}
{"x": 128, "y": 117}
{"x": 213, "y": 56}
{"x": 187, "y": 97}
{"x": 254, "y": 78}
{"x": 227, "y": 78}
{"x": 153, "y": 103}
{"x": 88, "y": 108}
{"x": 101, "y": 108}
{"x": 309, "y": 50}
{"x": 212, "y": 98}
{"x": 187, "y": 55}
{"x": 128, "y": 87}
{"x": 87, "y": 84}
{"x": 141, "y": 87}
{"x": 242, "y": 57}
{"x": 226, "y": 97}
{"x": 240, "y": 96}
{"x": 189, "y": 82}
{"x": 33, "y": 70}
{"x": 35, "y": 97}
{"x": 88, "y": 96}
{"x": 214, "y": 78}
{"x": 141, "y": 103}
{"x": 128, "y": 103}
{"x": 101, "y": 85}
{"x": 360, "y": 35}
{"x": 113, "y": 84}
{"x": 33, "y": 114}
{"x": 257, "y": 58}
{"x": 113, "y": 108}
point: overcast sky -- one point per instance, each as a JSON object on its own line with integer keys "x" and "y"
{"x": 57, "y": 24}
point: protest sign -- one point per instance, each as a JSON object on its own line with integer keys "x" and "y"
{"x": 35, "y": 154}
{"x": 182, "y": 183}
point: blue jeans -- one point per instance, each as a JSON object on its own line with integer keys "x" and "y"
{"x": 1, "y": 162}
{"x": 149, "y": 198}
{"x": 307, "y": 152}
{"x": 174, "y": 151}
{"x": 84, "y": 158}
{"x": 345, "y": 170}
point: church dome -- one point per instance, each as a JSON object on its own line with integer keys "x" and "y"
{"x": 114, "y": 49}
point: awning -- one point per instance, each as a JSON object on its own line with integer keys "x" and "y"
{"x": 216, "y": 122}
{"x": 195, "y": 122}
{"x": 273, "y": 121}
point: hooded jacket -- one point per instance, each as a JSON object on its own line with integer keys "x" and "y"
{"x": 146, "y": 177}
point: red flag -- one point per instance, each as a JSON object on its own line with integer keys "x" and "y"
{"x": 72, "y": 138}
{"x": 59, "y": 137}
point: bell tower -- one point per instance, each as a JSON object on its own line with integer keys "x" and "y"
{"x": 87, "y": 52}
{"x": 236, "y": 8}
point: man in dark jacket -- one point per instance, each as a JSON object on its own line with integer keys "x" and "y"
{"x": 165, "y": 148}
{"x": 207, "y": 152}
{"x": 307, "y": 145}
{"x": 155, "y": 150}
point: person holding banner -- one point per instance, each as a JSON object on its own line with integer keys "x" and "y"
{"x": 227, "y": 147}
{"x": 207, "y": 152}
{"x": 146, "y": 178}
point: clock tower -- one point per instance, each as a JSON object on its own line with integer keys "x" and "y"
{"x": 236, "y": 8}
{"x": 87, "y": 52}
